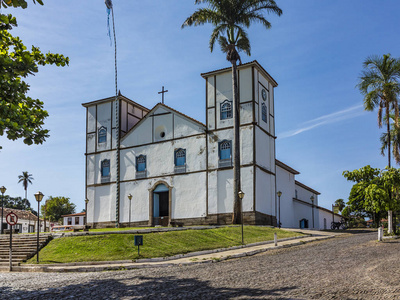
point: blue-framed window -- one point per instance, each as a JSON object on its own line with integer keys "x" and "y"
{"x": 264, "y": 112}
{"x": 226, "y": 110}
{"x": 102, "y": 135}
{"x": 180, "y": 157}
{"x": 141, "y": 163}
{"x": 225, "y": 150}
{"x": 105, "y": 168}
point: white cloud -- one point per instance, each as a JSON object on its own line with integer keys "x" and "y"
{"x": 345, "y": 114}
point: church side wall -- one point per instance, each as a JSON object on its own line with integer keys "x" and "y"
{"x": 305, "y": 210}
{"x": 285, "y": 184}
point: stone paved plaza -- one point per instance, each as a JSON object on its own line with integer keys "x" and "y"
{"x": 353, "y": 266}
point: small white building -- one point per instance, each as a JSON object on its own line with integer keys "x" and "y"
{"x": 179, "y": 169}
{"x": 27, "y": 221}
{"x": 75, "y": 219}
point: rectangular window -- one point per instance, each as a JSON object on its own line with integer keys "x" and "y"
{"x": 69, "y": 221}
{"x": 76, "y": 220}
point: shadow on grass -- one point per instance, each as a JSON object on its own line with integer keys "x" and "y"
{"x": 131, "y": 287}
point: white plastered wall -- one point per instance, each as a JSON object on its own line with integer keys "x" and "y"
{"x": 265, "y": 192}
{"x": 101, "y": 206}
{"x": 285, "y": 184}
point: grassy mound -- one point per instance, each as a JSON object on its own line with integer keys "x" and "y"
{"x": 121, "y": 246}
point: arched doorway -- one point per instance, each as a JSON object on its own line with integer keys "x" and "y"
{"x": 160, "y": 204}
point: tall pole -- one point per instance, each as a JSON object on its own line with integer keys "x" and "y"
{"x": 130, "y": 201}
{"x": 3, "y": 190}
{"x": 312, "y": 207}
{"x": 37, "y": 234}
{"x": 279, "y": 193}
{"x": 38, "y": 197}
{"x": 240, "y": 196}
{"x": 86, "y": 213}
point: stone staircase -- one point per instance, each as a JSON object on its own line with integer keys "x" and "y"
{"x": 23, "y": 248}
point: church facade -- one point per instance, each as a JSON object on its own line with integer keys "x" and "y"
{"x": 173, "y": 168}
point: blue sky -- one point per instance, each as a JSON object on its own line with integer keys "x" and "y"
{"x": 314, "y": 51}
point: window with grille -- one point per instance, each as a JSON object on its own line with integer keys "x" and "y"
{"x": 105, "y": 168}
{"x": 226, "y": 110}
{"x": 225, "y": 154}
{"x": 102, "y": 135}
{"x": 264, "y": 112}
{"x": 141, "y": 163}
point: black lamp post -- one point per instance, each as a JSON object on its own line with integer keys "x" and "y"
{"x": 38, "y": 197}
{"x": 2, "y": 190}
{"x": 279, "y": 193}
{"x": 312, "y": 201}
{"x": 241, "y": 195}
{"x": 130, "y": 201}
{"x": 86, "y": 214}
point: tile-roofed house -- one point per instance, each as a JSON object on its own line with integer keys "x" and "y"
{"x": 27, "y": 221}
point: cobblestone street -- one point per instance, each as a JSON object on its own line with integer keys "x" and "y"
{"x": 353, "y": 266}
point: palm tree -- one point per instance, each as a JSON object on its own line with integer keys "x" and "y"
{"x": 380, "y": 85}
{"x": 340, "y": 203}
{"x": 26, "y": 179}
{"x": 229, "y": 18}
{"x": 395, "y": 141}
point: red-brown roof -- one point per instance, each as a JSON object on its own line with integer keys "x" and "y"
{"x": 75, "y": 215}
{"x": 21, "y": 214}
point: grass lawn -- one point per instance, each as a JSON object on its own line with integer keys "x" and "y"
{"x": 121, "y": 246}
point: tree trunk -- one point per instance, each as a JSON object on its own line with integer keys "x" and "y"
{"x": 236, "y": 218}
{"x": 388, "y": 132}
{"x": 390, "y": 221}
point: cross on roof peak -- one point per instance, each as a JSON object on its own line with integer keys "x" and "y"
{"x": 163, "y": 92}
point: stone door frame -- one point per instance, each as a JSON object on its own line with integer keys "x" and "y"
{"x": 151, "y": 201}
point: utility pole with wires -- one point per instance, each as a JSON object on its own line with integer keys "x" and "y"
{"x": 110, "y": 8}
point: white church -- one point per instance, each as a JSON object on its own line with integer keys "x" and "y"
{"x": 176, "y": 169}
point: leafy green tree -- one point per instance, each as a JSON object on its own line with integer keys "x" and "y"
{"x": 374, "y": 191}
{"x": 340, "y": 203}
{"x": 55, "y": 207}
{"x": 26, "y": 179}
{"x": 380, "y": 86}
{"x": 21, "y": 117}
{"x": 230, "y": 18}
{"x": 16, "y": 203}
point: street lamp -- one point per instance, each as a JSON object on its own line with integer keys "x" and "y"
{"x": 86, "y": 214}
{"x": 2, "y": 190}
{"x": 38, "y": 197}
{"x": 130, "y": 201}
{"x": 241, "y": 195}
{"x": 279, "y": 193}
{"x": 312, "y": 201}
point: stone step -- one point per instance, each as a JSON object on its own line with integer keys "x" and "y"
{"x": 15, "y": 256}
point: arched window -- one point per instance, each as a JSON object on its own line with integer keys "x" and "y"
{"x": 180, "y": 157}
{"x": 225, "y": 150}
{"x": 226, "y": 110}
{"x": 105, "y": 168}
{"x": 102, "y": 134}
{"x": 264, "y": 112}
{"x": 141, "y": 163}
